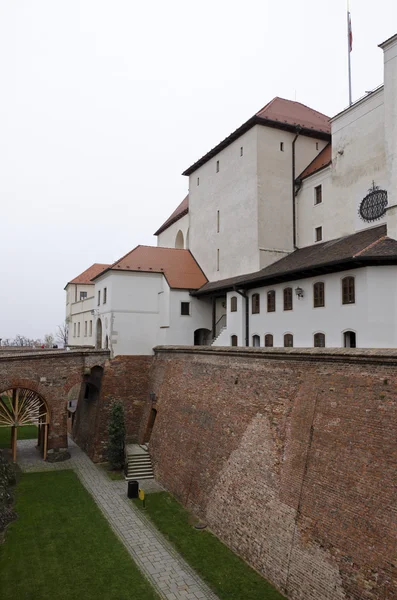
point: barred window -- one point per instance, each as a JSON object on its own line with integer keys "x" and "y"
{"x": 318, "y": 294}
{"x": 255, "y": 304}
{"x": 233, "y": 304}
{"x": 319, "y": 340}
{"x": 288, "y": 298}
{"x": 271, "y": 301}
{"x": 268, "y": 340}
{"x": 288, "y": 340}
{"x": 348, "y": 291}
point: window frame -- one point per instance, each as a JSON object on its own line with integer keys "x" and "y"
{"x": 184, "y": 303}
{"x": 288, "y": 292}
{"x": 318, "y": 193}
{"x": 105, "y": 295}
{"x": 256, "y": 338}
{"x": 83, "y": 296}
{"x": 290, "y": 336}
{"x": 318, "y": 297}
{"x": 99, "y": 298}
{"x": 348, "y": 292}
{"x": 233, "y": 338}
{"x": 316, "y": 335}
{"x": 271, "y": 301}
{"x": 267, "y": 336}
{"x": 255, "y": 304}
{"x": 233, "y": 304}
{"x": 318, "y": 234}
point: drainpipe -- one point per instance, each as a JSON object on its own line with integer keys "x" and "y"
{"x": 298, "y": 129}
{"x": 247, "y": 320}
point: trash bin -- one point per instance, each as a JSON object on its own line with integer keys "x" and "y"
{"x": 133, "y": 489}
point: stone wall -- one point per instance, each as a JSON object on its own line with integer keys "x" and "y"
{"x": 290, "y": 456}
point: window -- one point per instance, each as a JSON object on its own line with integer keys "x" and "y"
{"x": 217, "y": 221}
{"x": 316, "y": 145}
{"x": 90, "y": 329}
{"x": 241, "y": 150}
{"x": 233, "y": 304}
{"x": 318, "y": 234}
{"x": 348, "y": 291}
{"x": 185, "y": 309}
{"x": 78, "y": 329}
{"x": 83, "y": 295}
{"x": 74, "y": 329}
{"x": 281, "y": 146}
{"x": 105, "y": 295}
{"x": 99, "y": 297}
{"x": 255, "y": 304}
{"x": 288, "y": 298}
{"x": 349, "y": 339}
{"x": 318, "y": 195}
{"x": 217, "y": 166}
{"x": 268, "y": 340}
{"x": 319, "y": 340}
{"x": 198, "y": 180}
{"x": 217, "y": 260}
{"x": 85, "y": 328}
{"x": 318, "y": 294}
{"x": 271, "y": 301}
{"x": 256, "y": 341}
{"x": 234, "y": 340}
{"x": 288, "y": 340}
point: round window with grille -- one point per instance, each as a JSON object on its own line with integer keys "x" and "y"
{"x": 373, "y": 206}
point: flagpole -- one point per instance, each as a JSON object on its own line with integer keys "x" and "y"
{"x": 349, "y": 51}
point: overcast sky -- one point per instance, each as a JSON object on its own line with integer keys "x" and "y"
{"x": 104, "y": 103}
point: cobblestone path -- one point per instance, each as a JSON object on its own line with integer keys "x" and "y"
{"x": 171, "y": 577}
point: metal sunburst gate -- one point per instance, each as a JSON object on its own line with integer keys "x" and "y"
{"x": 20, "y": 407}
{"x": 373, "y": 206}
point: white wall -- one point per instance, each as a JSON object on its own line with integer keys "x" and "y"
{"x": 79, "y": 312}
{"x": 232, "y": 191}
{"x": 167, "y": 238}
{"x": 390, "y": 74}
{"x": 275, "y": 208}
{"x": 372, "y": 317}
{"x": 182, "y": 327}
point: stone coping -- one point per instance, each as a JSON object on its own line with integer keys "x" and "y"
{"x": 363, "y": 355}
{"x": 40, "y": 354}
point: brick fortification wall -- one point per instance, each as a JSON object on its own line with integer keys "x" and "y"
{"x": 125, "y": 378}
{"x": 291, "y": 458}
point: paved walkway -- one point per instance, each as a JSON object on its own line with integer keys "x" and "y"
{"x": 171, "y": 577}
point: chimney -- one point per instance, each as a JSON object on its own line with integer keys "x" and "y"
{"x": 389, "y": 48}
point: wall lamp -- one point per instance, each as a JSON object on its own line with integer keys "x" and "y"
{"x": 299, "y": 292}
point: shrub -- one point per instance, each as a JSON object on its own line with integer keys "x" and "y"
{"x": 116, "y": 431}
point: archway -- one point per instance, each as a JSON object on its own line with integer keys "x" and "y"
{"x": 179, "y": 242}
{"x": 21, "y": 407}
{"x": 98, "y": 344}
{"x": 202, "y": 337}
{"x": 106, "y": 343}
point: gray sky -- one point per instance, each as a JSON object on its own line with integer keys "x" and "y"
{"x": 104, "y": 103}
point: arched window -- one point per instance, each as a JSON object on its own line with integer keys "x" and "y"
{"x": 348, "y": 291}
{"x": 233, "y": 304}
{"x": 255, "y": 304}
{"x": 288, "y": 340}
{"x": 234, "y": 340}
{"x": 256, "y": 341}
{"x": 318, "y": 294}
{"x": 179, "y": 242}
{"x": 268, "y": 340}
{"x": 271, "y": 301}
{"x": 349, "y": 339}
{"x": 319, "y": 340}
{"x": 288, "y": 298}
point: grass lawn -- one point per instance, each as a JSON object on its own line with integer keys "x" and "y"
{"x": 114, "y": 475}
{"x": 228, "y": 576}
{"x": 61, "y": 547}
{"x": 28, "y": 432}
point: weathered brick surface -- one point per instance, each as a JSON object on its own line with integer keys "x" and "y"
{"x": 52, "y": 375}
{"x": 291, "y": 457}
{"x": 125, "y": 378}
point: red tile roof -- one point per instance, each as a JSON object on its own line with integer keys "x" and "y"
{"x": 322, "y": 160}
{"x": 178, "y": 213}
{"x": 281, "y": 114}
{"x": 178, "y": 266}
{"x": 295, "y": 113}
{"x": 86, "y": 276}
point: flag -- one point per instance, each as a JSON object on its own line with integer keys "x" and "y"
{"x": 349, "y": 32}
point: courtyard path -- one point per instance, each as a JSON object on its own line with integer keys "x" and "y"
{"x": 169, "y": 574}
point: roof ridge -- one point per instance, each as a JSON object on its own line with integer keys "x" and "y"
{"x": 370, "y": 246}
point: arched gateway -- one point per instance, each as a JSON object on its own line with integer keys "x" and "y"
{"x": 20, "y": 407}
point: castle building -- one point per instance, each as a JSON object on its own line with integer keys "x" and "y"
{"x": 293, "y": 221}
